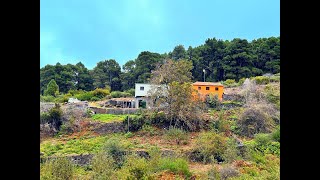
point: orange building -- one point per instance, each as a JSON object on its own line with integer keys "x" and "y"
{"x": 206, "y": 88}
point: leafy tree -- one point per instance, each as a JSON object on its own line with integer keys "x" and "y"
{"x": 178, "y": 53}
{"x": 128, "y": 76}
{"x": 145, "y": 63}
{"x": 107, "y": 73}
{"x": 52, "y": 89}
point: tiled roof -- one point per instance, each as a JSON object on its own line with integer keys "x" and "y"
{"x": 207, "y": 84}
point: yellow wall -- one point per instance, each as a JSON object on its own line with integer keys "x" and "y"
{"x": 212, "y": 90}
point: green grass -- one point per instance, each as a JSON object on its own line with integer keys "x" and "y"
{"x": 58, "y": 147}
{"x": 109, "y": 117}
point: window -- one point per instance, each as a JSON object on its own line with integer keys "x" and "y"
{"x": 141, "y": 88}
{"x": 216, "y": 88}
{"x": 207, "y": 88}
{"x": 199, "y": 88}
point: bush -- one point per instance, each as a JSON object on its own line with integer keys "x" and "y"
{"x": 210, "y": 145}
{"x": 221, "y": 125}
{"x": 128, "y": 135}
{"x": 102, "y": 166}
{"x": 232, "y": 152}
{"x": 158, "y": 118}
{"x": 227, "y": 172}
{"x": 63, "y": 98}
{"x": 85, "y": 96}
{"x": 213, "y": 101}
{"x": 175, "y": 165}
{"x": 148, "y": 130}
{"x": 273, "y": 94}
{"x": 130, "y": 91}
{"x": 263, "y": 144}
{"x": 116, "y": 94}
{"x": 275, "y": 79}
{"x": 53, "y": 117}
{"x": 178, "y": 135}
{"x": 94, "y": 99}
{"x": 230, "y": 83}
{"x": 69, "y": 126}
{"x": 135, "y": 122}
{"x": 254, "y": 120}
{"x": 116, "y": 149}
{"x": 136, "y": 167}
{"x": 57, "y": 169}
{"x": 261, "y": 79}
{"x": 276, "y": 134}
{"x": 47, "y": 98}
{"x": 241, "y": 81}
{"x": 100, "y": 93}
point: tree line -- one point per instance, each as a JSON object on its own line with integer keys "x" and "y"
{"x": 221, "y": 59}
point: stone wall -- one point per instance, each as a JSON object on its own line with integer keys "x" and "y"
{"x": 85, "y": 159}
{"x": 107, "y": 128}
{"x": 97, "y": 110}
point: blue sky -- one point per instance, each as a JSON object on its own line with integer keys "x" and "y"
{"x": 96, "y": 30}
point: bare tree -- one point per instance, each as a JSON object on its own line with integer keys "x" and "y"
{"x": 172, "y": 93}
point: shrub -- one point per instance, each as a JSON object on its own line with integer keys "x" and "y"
{"x": 94, "y": 99}
{"x": 57, "y": 169}
{"x": 273, "y": 94}
{"x": 148, "y": 130}
{"x": 115, "y": 94}
{"x": 53, "y": 117}
{"x": 137, "y": 167}
{"x": 254, "y": 120}
{"x": 261, "y": 79}
{"x": 130, "y": 91}
{"x": 231, "y": 153}
{"x": 176, "y": 134}
{"x": 116, "y": 149}
{"x": 227, "y": 172}
{"x": 102, "y": 166}
{"x": 241, "y": 81}
{"x": 135, "y": 122}
{"x": 157, "y": 118}
{"x": 275, "y": 78}
{"x": 276, "y": 134}
{"x": 47, "y": 98}
{"x": 175, "y": 165}
{"x": 85, "y": 96}
{"x": 230, "y": 83}
{"x": 213, "y": 101}
{"x": 213, "y": 173}
{"x": 100, "y": 93}
{"x": 129, "y": 135}
{"x": 63, "y": 98}
{"x": 221, "y": 125}
{"x": 210, "y": 144}
{"x": 69, "y": 126}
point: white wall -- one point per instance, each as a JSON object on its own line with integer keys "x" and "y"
{"x": 143, "y": 93}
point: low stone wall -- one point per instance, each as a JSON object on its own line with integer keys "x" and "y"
{"x": 121, "y": 110}
{"x": 85, "y": 159}
{"x": 81, "y": 160}
{"x": 107, "y": 128}
{"x": 97, "y": 110}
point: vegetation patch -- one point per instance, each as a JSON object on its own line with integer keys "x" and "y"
{"x": 109, "y": 117}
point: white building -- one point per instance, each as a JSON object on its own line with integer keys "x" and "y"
{"x": 141, "y": 90}
{"x": 142, "y": 93}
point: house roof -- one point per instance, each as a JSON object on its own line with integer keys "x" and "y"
{"x": 207, "y": 84}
